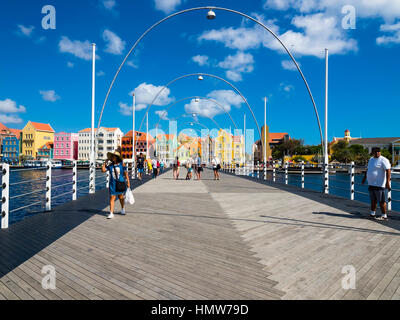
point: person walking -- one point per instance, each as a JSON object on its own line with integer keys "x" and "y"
{"x": 176, "y": 168}
{"x": 140, "y": 165}
{"x": 216, "y": 164}
{"x": 199, "y": 167}
{"x": 119, "y": 180}
{"x": 189, "y": 166}
{"x": 162, "y": 164}
{"x": 149, "y": 167}
{"x": 155, "y": 169}
{"x": 378, "y": 176}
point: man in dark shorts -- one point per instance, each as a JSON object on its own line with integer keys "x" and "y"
{"x": 378, "y": 176}
{"x": 140, "y": 165}
{"x": 199, "y": 167}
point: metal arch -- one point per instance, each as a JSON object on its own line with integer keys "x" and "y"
{"x": 222, "y": 9}
{"x": 207, "y": 75}
{"x": 215, "y": 122}
{"x": 202, "y": 98}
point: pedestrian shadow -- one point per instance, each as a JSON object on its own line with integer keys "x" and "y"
{"x": 25, "y": 238}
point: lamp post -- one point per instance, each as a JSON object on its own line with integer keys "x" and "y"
{"x": 92, "y": 170}
{"x": 326, "y": 156}
{"x": 133, "y": 138}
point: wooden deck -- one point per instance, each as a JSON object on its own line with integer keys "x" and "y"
{"x": 231, "y": 239}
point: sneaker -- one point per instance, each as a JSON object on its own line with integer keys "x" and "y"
{"x": 382, "y": 218}
{"x": 110, "y": 216}
{"x": 123, "y": 212}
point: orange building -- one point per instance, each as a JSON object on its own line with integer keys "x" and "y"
{"x": 141, "y": 144}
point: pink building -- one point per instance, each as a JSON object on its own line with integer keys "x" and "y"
{"x": 66, "y": 146}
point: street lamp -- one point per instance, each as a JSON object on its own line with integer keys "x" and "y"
{"x": 200, "y": 78}
{"x": 211, "y": 15}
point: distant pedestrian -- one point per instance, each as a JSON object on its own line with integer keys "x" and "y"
{"x": 216, "y": 164}
{"x": 378, "y": 176}
{"x": 119, "y": 180}
{"x": 149, "y": 166}
{"x": 155, "y": 169}
{"x": 176, "y": 168}
{"x": 140, "y": 165}
{"x": 162, "y": 165}
{"x": 199, "y": 167}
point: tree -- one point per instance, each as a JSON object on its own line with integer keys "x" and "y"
{"x": 386, "y": 153}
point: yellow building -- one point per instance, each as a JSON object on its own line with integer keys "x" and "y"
{"x": 224, "y": 146}
{"x": 238, "y": 149}
{"x": 34, "y": 136}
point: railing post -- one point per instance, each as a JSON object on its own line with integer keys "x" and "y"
{"x": 302, "y": 174}
{"x": 74, "y": 180}
{"x": 48, "y": 186}
{"x": 389, "y": 207}
{"x": 352, "y": 181}
{"x": 258, "y": 169}
{"x": 92, "y": 177}
{"x": 134, "y": 169}
{"x": 5, "y": 195}
{"x": 326, "y": 178}
{"x": 273, "y": 171}
{"x": 286, "y": 173}
{"x": 265, "y": 169}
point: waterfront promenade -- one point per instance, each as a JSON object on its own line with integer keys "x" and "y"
{"x": 237, "y": 238}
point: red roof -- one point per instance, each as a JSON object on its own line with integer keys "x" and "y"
{"x": 42, "y": 126}
{"x": 87, "y": 130}
{"x": 48, "y": 145}
{"x": 3, "y": 127}
{"x": 16, "y": 132}
{"x": 273, "y": 136}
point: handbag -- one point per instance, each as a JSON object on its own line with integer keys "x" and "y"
{"x": 120, "y": 186}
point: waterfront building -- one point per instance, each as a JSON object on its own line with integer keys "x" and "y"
{"x": 34, "y": 136}
{"x": 66, "y": 146}
{"x": 390, "y": 143}
{"x": 274, "y": 139}
{"x": 45, "y": 152}
{"x": 84, "y": 138}
{"x": 11, "y": 149}
{"x": 164, "y": 145}
{"x": 141, "y": 144}
{"x": 238, "y": 149}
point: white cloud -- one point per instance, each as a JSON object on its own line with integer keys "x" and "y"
{"x": 132, "y": 64}
{"x": 70, "y": 64}
{"x": 10, "y": 106}
{"x": 49, "y": 95}
{"x": 125, "y": 109}
{"x": 145, "y": 93}
{"x": 311, "y": 34}
{"x": 109, "y": 4}
{"x": 201, "y": 60}
{"x": 393, "y": 30}
{"x": 114, "y": 44}
{"x": 163, "y": 114}
{"x": 237, "y": 65}
{"x": 10, "y": 119}
{"x": 289, "y": 65}
{"x": 286, "y": 87}
{"x": 79, "y": 49}
{"x": 206, "y": 108}
{"x": 167, "y": 6}
{"x": 25, "y": 31}
{"x": 101, "y": 73}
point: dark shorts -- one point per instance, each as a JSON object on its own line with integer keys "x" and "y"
{"x": 377, "y": 194}
{"x": 199, "y": 169}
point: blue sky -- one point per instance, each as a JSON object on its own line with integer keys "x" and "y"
{"x": 45, "y": 75}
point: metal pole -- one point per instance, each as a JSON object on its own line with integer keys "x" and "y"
{"x": 5, "y": 195}
{"x": 326, "y": 158}
{"x": 147, "y": 136}
{"x": 133, "y": 138}
{"x": 48, "y": 186}
{"x": 302, "y": 174}
{"x": 244, "y": 138}
{"x": 92, "y": 181}
{"x": 265, "y": 138}
{"x": 352, "y": 181}
{"x": 74, "y": 181}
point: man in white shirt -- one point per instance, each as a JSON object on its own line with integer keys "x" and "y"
{"x": 378, "y": 176}
{"x": 216, "y": 166}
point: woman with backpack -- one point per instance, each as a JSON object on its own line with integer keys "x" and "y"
{"x": 119, "y": 180}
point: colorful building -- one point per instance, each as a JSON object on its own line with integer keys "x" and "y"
{"x": 224, "y": 146}
{"x": 164, "y": 145}
{"x": 11, "y": 149}
{"x": 34, "y": 136}
{"x": 66, "y": 146}
{"x": 108, "y": 140}
{"x": 45, "y": 152}
{"x": 141, "y": 144}
{"x": 84, "y": 138}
